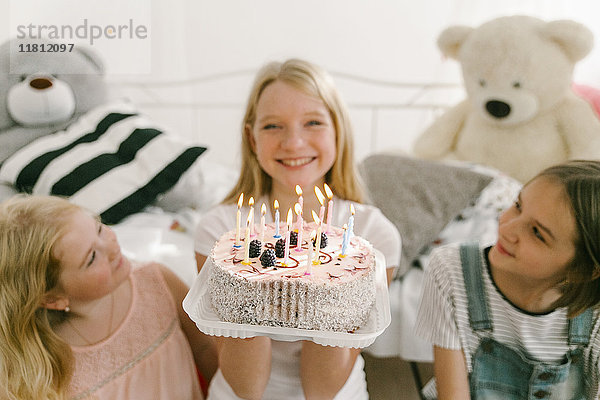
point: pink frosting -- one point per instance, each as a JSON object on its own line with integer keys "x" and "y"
{"x": 333, "y": 267}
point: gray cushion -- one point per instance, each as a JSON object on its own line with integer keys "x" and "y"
{"x": 420, "y": 197}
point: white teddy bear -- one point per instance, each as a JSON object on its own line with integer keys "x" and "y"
{"x": 520, "y": 115}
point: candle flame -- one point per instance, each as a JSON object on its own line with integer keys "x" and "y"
{"x": 313, "y": 234}
{"x": 319, "y": 195}
{"x": 345, "y": 226}
{"x": 352, "y": 209}
{"x": 241, "y": 200}
{"x": 276, "y": 205}
{"x": 251, "y": 201}
{"x": 297, "y": 209}
{"x": 298, "y": 190}
{"x": 249, "y": 220}
{"x": 263, "y": 209}
{"x": 328, "y": 191}
{"x": 316, "y": 217}
{"x": 289, "y": 218}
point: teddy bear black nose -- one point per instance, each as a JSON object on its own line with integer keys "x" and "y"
{"x": 498, "y": 109}
{"x": 40, "y": 83}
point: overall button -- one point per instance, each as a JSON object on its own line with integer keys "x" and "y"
{"x": 540, "y": 394}
{"x": 546, "y": 376}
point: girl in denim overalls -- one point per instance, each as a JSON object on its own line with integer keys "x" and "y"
{"x": 520, "y": 320}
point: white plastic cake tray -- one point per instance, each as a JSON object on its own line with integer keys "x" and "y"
{"x": 198, "y": 306}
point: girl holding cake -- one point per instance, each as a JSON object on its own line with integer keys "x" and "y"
{"x": 521, "y": 318}
{"x": 79, "y": 320}
{"x": 295, "y": 131}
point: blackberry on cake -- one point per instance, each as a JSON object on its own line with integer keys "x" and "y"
{"x": 280, "y": 248}
{"x": 268, "y": 258}
{"x": 293, "y": 238}
{"x": 323, "y": 241}
{"x": 254, "y": 250}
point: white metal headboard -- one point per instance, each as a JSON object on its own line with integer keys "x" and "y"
{"x": 386, "y": 115}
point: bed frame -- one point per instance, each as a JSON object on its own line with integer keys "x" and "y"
{"x": 386, "y": 115}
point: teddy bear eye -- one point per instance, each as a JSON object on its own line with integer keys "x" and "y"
{"x": 516, "y": 85}
{"x": 482, "y": 83}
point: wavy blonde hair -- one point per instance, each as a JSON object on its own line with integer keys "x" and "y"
{"x": 35, "y": 363}
{"x": 343, "y": 177}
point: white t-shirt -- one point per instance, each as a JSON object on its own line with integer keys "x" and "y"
{"x": 443, "y": 318}
{"x": 284, "y": 381}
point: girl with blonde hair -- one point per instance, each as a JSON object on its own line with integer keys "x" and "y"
{"x": 311, "y": 80}
{"x": 79, "y": 320}
{"x": 295, "y": 131}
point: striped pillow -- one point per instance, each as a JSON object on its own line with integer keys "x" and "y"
{"x": 111, "y": 161}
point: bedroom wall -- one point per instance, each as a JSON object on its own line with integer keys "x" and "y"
{"x": 383, "y": 40}
{"x": 389, "y": 41}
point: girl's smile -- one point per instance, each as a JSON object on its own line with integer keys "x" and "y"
{"x": 502, "y": 250}
{"x": 297, "y": 162}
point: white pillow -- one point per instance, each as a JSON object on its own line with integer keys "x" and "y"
{"x": 111, "y": 161}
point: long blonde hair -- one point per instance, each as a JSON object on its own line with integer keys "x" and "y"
{"x": 343, "y": 177}
{"x": 35, "y": 363}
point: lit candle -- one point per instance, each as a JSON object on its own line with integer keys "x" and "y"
{"x": 321, "y": 199}
{"x": 263, "y": 211}
{"x": 318, "y": 240}
{"x": 247, "y": 243}
{"x": 276, "y": 206}
{"x": 299, "y": 225}
{"x": 238, "y": 218}
{"x": 351, "y": 222}
{"x": 286, "y": 253}
{"x": 299, "y": 193}
{"x": 309, "y": 259}
{"x": 251, "y": 215}
{"x": 344, "y": 241}
{"x": 329, "y": 194}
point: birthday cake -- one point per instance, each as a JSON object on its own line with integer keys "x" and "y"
{"x": 335, "y": 293}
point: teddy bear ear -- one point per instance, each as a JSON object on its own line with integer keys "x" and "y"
{"x": 451, "y": 39}
{"x": 574, "y": 39}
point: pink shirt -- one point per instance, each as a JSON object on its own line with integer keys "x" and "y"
{"x": 148, "y": 356}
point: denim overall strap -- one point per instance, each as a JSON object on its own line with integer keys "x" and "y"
{"x": 470, "y": 257}
{"x": 580, "y": 328}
